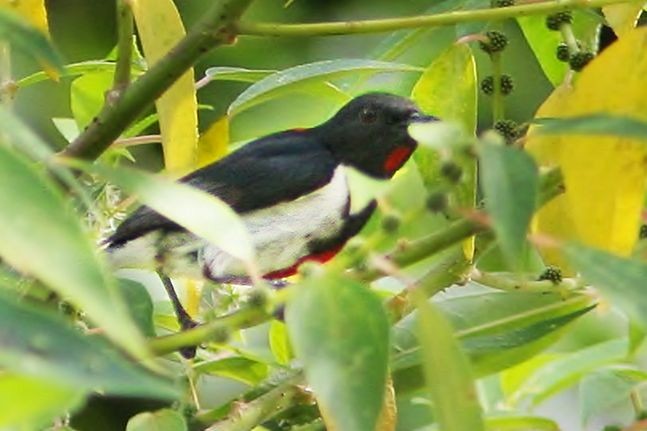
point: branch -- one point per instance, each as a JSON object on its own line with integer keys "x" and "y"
{"x": 125, "y": 29}
{"x": 436, "y": 20}
{"x": 216, "y": 28}
{"x": 239, "y": 319}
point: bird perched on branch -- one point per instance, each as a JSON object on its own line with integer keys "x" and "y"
{"x": 290, "y": 190}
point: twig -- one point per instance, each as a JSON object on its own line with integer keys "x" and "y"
{"x": 213, "y": 30}
{"x": 436, "y": 20}
{"x": 125, "y": 28}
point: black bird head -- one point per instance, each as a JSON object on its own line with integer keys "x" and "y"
{"x": 370, "y": 133}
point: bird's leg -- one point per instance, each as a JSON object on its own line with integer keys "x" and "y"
{"x": 183, "y": 317}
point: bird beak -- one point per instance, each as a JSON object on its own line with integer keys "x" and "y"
{"x": 419, "y": 117}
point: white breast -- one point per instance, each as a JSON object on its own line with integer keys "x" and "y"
{"x": 281, "y": 233}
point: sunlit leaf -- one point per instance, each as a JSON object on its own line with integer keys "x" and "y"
{"x": 140, "y": 305}
{"x": 42, "y": 344}
{"x": 622, "y": 280}
{"x": 622, "y": 17}
{"x": 195, "y": 210}
{"x": 603, "y": 388}
{"x": 564, "y": 371}
{"x": 447, "y": 89}
{"x": 23, "y": 25}
{"x": 544, "y": 45}
{"x": 300, "y": 77}
{"x": 48, "y": 242}
{"x": 339, "y": 330}
{"x": 87, "y": 95}
{"x": 509, "y": 179}
{"x": 604, "y": 175}
{"x": 213, "y": 143}
{"x": 520, "y": 423}
{"x": 280, "y": 343}
{"x": 449, "y": 378}
{"x": 238, "y": 368}
{"x": 160, "y": 27}
{"x": 46, "y": 401}
{"x": 161, "y": 420}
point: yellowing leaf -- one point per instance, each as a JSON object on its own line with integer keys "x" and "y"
{"x": 389, "y": 415}
{"x": 212, "y": 144}
{"x": 604, "y": 175}
{"x": 447, "y": 89}
{"x": 32, "y": 10}
{"x": 160, "y": 28}
{"x": 622, "y": 17}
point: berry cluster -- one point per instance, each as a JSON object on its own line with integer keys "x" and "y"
{"x": 495, "y": 42}
{"x": 551, "y": 273}
{"x": 555, "y": 21}
{"x": 502, "y": 3}
{"x": 507, "y": 85}
{"x": 508, "y": 129}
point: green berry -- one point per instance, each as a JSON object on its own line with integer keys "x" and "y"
{"x": 487, "y": 85}
{"x": 390, "y": 223}
{"x": 580, "y": 59}
{"x": 562, "y": 52}
{"x": 437, "y": 202}
{"x": 451, "y": 171}
{"x": 507, "y": 129}
{"x": 258, "y": 297}
{"x": 641, "y": 415}
{"x": 643, "y": 232}
{"x": 220, "y": 335}
{"x": 496, "y": 42}
{"x": 507, "y": 84}
{"x": 502, "y": 3}
{"x": 551, "y": 273}
{"x": 555, "y": 21}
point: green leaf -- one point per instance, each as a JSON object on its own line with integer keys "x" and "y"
{"x": 87, "y": 96}
{"x": 520, "y": 423}
{"x": 42, "y": 344}
{"x": 595, "y": 124}
{"x": 161, "y": 420}
{"x": 300, "y": 77}
{"x": 238, "y": 368}
{"x": 140, "y": 305}
{"x": 448, "y": 374}
{"x": 28, "y": 40}
{"x": 28, "y": 403}
{"x": 74, "y": 69}
{"x": 544, "y": 45}
{"x": 509, "y": 178}
{"x": 43, "y": 238}
{"x": 236, "y": 74}
{"x": 619, "y": 279}
{"x": 564, "y": 371}
{"x": 201, "y": 213}
{"x": 497, "y": 329}
{"x": 340, "y": 331}
{"x": 604, "y": 388}
{"x": 280, "y": 343}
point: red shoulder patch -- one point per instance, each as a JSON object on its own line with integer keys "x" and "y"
{"x": 397, "y": 158}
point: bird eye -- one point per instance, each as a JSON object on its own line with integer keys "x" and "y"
{"x": 367, "y": 116}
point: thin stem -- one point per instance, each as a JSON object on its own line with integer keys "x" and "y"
{"x": 213, "y": 30}
{"x": 508, "y": 282}
{"x": 569, "y": 38}
{"x": 498, "y": 108}
{"x": 7, "y": 85}
{"x": 441, "y": 19}
{"x": 243, "y": 318}
{"x": 137, "y": 140}
{"x": 125, "y": 28}
{"x": 245, "y": 416}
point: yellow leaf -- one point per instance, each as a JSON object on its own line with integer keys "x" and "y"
{"x": 447, "y": 89}
{"x": 213, "y": 143}
{"x": 389, "y": 415}
{"x": 604, "y": 176}
{"x": 622, "y": 17}
{"x": 160, "y": 28}
{"x": 32, "y": 10}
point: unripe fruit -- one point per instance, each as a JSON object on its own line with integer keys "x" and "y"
{"x": 496, "y": 42}
{"x": 555, "y": 21}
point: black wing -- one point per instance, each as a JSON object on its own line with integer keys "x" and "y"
{"x": 273, "y": 169}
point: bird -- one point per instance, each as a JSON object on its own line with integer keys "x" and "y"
{"x": 290, "y": 190}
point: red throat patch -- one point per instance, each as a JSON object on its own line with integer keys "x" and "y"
{"x": 396, "y": 159}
